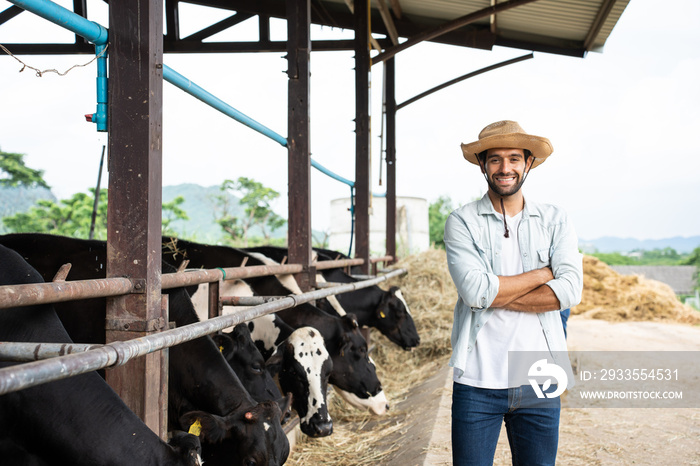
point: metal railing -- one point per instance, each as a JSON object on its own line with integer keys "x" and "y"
{"x": 85, "y": 358}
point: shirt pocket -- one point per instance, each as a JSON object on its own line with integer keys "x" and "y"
{"x": 543, "y": 257}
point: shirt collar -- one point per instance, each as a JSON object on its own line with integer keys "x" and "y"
{"x": 485, "y": 207}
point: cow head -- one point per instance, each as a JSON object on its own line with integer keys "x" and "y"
{"x": 244, "y": 437}
{"x": 246, "y": 361}
{"x": 394, "y": 320}
{"x": 186, "y": 446}
{"x": 304, "y": 367}
{"x": 353, "y": 370}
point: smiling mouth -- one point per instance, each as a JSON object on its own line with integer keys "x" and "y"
{"x": 505, "y": 179}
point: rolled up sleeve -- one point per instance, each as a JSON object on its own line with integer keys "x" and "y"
{"x": 476, "y": 284}
{"x": 567, "y": 265}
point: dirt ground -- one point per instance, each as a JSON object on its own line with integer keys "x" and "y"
{"x": 626, "y": 436}
{"x": 588, "y": 436}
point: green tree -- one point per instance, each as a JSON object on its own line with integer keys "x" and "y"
{"x": 171, "y": 212}
{"x": 694, "y": 259}
{"x": 72, "y": 217}
{"x": 438, "y": 212}
{"x": 69, "y": 217}
{"x": 13, "y": 172}
{"x": 256, "y": 200}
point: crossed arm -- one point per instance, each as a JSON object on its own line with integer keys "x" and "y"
{"x": 527, "y": 292}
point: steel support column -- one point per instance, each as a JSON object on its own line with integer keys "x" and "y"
{"x": 362, "y": 133}
{"x": 135, "y": 184}
{"x": 390, "y": 70}
{"x": 298, "y": 140}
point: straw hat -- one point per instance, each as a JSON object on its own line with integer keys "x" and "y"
{"x": 508, "y": 134}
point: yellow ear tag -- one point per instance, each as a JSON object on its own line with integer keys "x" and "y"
{"x": 381, "y": 314}
{"x": 195, "y": 428}
{"x": 221, "y": 349}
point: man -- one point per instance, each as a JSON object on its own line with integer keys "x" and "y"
{"x": 515, "y": 265}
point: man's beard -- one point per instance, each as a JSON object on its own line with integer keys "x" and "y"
{"x": 505, "y": 192}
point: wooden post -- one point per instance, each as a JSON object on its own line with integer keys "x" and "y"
{"x": 135, "y": 184}
{"x": 298, "y": 140}
{"x": 362, "y": 132}
{"x": 391, "y": 159}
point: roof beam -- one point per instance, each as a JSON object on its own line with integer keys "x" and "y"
{"x": 449, "y": 26}
{"x": 396, "y": 6}
{"x": 388, "y": 22}
{"x": 218, "y": 27}
{"x": 597, "y": 24}
{"x": 372, "y": 40}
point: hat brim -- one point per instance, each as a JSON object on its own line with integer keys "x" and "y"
{"x": 540, "y": 147}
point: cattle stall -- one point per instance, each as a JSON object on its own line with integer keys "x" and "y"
{"x": 129, "y": 108}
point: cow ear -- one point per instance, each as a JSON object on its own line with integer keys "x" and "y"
{"x": 186, "y": 445}
{"x": 285, "y": 404}
{"x": 274, "y": 363}
{"x": 350, "y": 322}
{"x": 210, "y": 428}
{"x": 225, "y": 345}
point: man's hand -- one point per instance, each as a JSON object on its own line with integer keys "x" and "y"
{"x": 527, "y": 292}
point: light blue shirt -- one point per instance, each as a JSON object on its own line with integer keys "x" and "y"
{"x": 473, "y": 238}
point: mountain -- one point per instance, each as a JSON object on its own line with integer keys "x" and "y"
{"x": 14, "y": 200}
{"x": 681, "y": 244}
{"x": 202, "y": 209}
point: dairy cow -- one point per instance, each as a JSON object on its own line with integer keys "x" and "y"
{"x": 386, "y": 311}
{"x": 241, "y": 353}
{"x": 79, "y": 420}
{"x": 353, "y": 372}
{"x": 203, "y": 389}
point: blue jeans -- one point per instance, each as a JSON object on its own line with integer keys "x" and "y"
{"x": 564, "y": 317}
{"x": 477, "y": 414}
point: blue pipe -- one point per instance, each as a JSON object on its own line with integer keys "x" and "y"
{"x": 326, "y": 171}
{"x": 100, "y": 117}
{"x": 178, "y": 80}
{"x": 99, "y": 35}
{"x": 90, "y": 30}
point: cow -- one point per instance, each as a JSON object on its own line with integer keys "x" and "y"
{"x": 353, "y": 371}
{"x": 78, "y": 420}
{"x": 302, "y": 364}
{"x": 203, "y": 389}
{"x": 386, "y": 311}
{"x": 245, "y": 359}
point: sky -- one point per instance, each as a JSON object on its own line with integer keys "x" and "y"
{"x": 619, "y": 120}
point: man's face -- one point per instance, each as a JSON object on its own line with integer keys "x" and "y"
{"x": 505, "y": 169}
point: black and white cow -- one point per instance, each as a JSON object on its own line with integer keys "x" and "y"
{"x": 241, "y": 353}
{"x": 203, "y": 389}
{"x": 386, "y": 311}
{"x": 76, "y": 421}
{"x": 353, "y": 371}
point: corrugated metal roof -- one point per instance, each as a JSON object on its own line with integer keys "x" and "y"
{"x": 556, "y": 26}
{"x": 681, "y": 278}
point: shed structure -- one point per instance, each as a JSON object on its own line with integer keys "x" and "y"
{"x": 141, "y": 32}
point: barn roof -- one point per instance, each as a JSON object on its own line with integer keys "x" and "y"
{"x": 681, "y": 278}
{"x": 568, "y": 27}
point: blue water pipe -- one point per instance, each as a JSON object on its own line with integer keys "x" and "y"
{"x": 99, "y": 35}
{"x": 91, "y": 31}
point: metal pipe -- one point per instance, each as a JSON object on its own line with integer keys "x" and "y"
{"x": 56, "y": 292}
{"x": 195, "y": 277}
{"x": 248, "y": 300}
{"x": 23, "y": 376}
{"x": 25, "y": 352}
{"x": 463, "y": 77}
{"x": 178, "y": 80}
{"x": 63, "y": 17}
{"x": 337, "y": 264}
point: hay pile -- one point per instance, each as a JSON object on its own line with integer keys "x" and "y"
{"x": 607, "y": 295}
{"x": 362, "y": 439}
{"x": 357, "y": 438}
